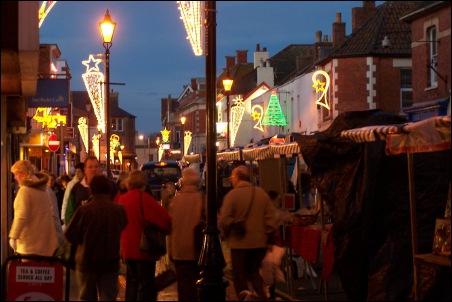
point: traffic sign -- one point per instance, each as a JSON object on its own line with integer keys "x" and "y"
{"x": 54, "y": 143}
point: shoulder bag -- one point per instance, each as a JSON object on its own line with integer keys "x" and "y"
{"x": 239, "y": 227}
{"x": 153, "y": 238}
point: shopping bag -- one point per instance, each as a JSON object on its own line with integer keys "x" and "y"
{"x": 153, "y": 240}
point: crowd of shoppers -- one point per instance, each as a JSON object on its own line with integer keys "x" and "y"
{"x": 92, "y": 203}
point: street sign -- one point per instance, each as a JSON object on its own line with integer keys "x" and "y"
{"x": 54, "y": 143}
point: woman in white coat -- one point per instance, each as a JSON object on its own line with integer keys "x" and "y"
{"x": 32, "y": 231}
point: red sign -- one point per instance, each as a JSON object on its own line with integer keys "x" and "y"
{"x": 35, "y": 281}
{"x": 54, "y": 143}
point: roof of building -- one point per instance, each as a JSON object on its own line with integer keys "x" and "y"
{"x": 367, "y": 40}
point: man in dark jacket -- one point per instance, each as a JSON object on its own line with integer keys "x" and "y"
{"x": 95, "y": 229}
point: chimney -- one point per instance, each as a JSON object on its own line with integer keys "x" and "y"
{"x": 361, "y": 14}
{"x": 338, "y": 31}
{"x": 242, "y": 56}
{"x": 325, "y": 39}
{"x": 318, "y": 36}
{"x": 258, "y": 47}
{"x": 259, "y": 57}
{"x": 194, "y": 84}
{"x": 230, "y": 62}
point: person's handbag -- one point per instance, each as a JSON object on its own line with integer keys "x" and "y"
{"x": 239, "y": 227}
{"x": 153, "y": 238}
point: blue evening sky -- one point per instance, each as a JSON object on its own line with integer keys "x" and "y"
{"x": 151, "y": 54}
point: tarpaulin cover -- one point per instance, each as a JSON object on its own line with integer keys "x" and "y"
{"x": 367, "y": 194}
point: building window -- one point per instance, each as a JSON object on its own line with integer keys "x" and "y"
{"x": 117, "y": 124}
{"x": 406, "y": 88}
{"x": 433, "y": 56}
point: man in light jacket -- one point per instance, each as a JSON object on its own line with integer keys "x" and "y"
{"x": 247, "y": 251}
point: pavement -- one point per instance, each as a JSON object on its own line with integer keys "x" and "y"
{"x": 304, "y": 285}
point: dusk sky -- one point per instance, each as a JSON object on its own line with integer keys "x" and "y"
{"x": 152, "y": 55}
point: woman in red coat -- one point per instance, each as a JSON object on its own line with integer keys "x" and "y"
{"x": 140, "y": 278}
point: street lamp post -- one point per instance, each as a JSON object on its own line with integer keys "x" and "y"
{"x": 182, "y": 121}
{"x": 107, "y": 29}
{"x": 157, "y": 142}
{"x": 99, "y": 135}
{"x": 212, "y": 285}
{"x": 227, "y": 85}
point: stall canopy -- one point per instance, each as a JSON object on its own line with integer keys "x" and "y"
{"x": 368, "y": 194}
{"x": 260, "y": 152}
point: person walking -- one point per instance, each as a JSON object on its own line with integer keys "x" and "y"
{"x": 32, "y": 231}
{"x": 79, "y": 174}
{"x": 140, "y": 275}
{"x": 187, "y": 209}
{"x": 80, "y": 193}
{"x": 95, "y": 229}
{"x": 121, "y": 184}
{"x": 253, "y": 204}
{"x": 54, "y": 199}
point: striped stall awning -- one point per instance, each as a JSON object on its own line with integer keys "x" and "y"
{"x": 191, "y": 158}
{"x": 428, "y": 135}
{"x": 287, "y": 150}
{"x": 229, "y": 155}
{"x": 369, "y": 133}
{"x": 258, "y": 153}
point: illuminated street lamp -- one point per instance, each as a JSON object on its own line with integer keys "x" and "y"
{"x": 182, "y": 121}
{"x": 227, "y": 85}
{"x": 141, "y": 137}
{"x": 107, "y": 29}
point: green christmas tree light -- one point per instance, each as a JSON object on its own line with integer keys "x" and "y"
{"x": 274, "y": 115}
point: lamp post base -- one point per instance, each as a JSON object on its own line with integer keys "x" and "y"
{"x": 212, "y": 285}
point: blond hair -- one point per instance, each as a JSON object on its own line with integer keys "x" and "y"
{"x": 23, "y": 166}
{"x": 137, "y": 179}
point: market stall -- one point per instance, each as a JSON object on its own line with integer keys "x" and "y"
{"x": 369, "y": 195}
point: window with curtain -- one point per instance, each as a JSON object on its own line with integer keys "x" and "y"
{"x": 117, "y": 124}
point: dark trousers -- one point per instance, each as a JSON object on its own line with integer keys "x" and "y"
{"x": 187, "y": 273}
{"x": 140, "y": 280}
{"x": 245, "y": 267}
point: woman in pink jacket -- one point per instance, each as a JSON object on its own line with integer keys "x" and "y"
{"x": 140, "y": 277}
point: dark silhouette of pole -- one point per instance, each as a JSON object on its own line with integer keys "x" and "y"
{"x": 227, "y": 119}
{"x": 212, "y": 285}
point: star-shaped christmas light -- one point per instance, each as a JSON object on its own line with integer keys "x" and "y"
{"x": 256, "y": 115}
{"x": 238, "y": 101}
{"x": 88, "y": 62}
{"x": 319, "y": 86}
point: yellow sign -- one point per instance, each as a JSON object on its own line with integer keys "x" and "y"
{"x": 35, "y": 152}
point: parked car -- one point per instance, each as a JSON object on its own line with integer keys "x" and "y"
{"x": 161, "y": 172}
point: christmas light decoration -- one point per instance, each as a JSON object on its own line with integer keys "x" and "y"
{"x": 49, "y": 121}
{"x": 191, "y": 15}
{"x": 165, "y": 136}
{"x": 187, "y": 141}
{"x": 236, "y": 119}
{"x": 44, "y": 10}
{"x": 274, "y": 115}
{"x": 94, "y": 83}
{"x": 323, "y": 87}
{"x": 257, "y": 115}
{"x": 83, "y": 129}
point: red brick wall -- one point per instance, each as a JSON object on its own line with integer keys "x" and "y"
{"x": 420, "y": 57}
{"x": 352, "y": 85}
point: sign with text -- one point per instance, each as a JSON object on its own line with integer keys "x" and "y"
{"x": 35, "y": 281}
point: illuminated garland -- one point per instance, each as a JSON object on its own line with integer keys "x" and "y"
{"x": 273, "y": 116}
{"x": 236, "y": 118}
{"x": 321, "y": 86}
{"x": 83, "y": 129}
{"x": 187, "y": 141}
{"x": 191, "y": 15}
{"x": 94, "y": 83}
